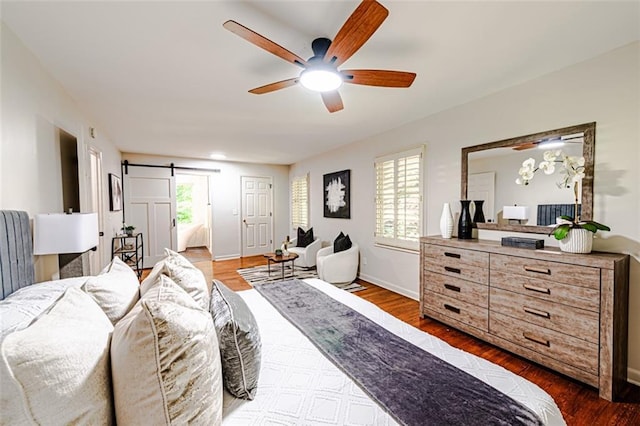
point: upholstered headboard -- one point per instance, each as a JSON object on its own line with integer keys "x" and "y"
{"x": 547, "y": 213}
{"x": 16, "y": 252}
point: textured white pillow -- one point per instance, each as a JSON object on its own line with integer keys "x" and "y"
{"x": 183, "y": 273}
{"x": 56, "y": 371}
{"x": 165, "y": 361}
{"x": 115, "y": 290}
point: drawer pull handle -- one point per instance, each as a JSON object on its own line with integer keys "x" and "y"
{"x": 452, "y": 287}
{"x": 537, "y": 289}
{"x": 448, "y": 254}
{"x": 450, "y": 269}
{"x": 451, "y": 308}
{"x": 546, "y": 271}
{"x": 537, "y": 340}
{"x": 542, "y": 314}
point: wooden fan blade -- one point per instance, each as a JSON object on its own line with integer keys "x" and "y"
{"x": 363, "y": 22}
{"x": 525, "y": 146}
{"x": 384, "y": 78}
{"x": 264, "y": 43}
{"x": 332, "y": 101}
{"x": 274, "y": 86}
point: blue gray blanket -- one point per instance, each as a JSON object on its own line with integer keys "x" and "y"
{"x": 415, "y": 387}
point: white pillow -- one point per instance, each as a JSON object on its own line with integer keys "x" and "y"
{"x": 19, "y": 309}
{"x": 165, "y": 361}
{"x": 115, "y": 290}
{"x": 57, "y": 370}
{"x": 183, "y": 273}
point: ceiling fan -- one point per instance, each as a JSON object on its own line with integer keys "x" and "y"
{"x": 320, "y": 72}
{"x": 551, "y": 143}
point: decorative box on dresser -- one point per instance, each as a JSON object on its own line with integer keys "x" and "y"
{"x": 566, "y": 311}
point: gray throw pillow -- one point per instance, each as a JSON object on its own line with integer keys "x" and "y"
{"x": 239, "y": 341}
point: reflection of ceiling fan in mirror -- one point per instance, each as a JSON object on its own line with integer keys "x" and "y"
{"x": 320, "y": 72}
{"x": 551, "y": 143}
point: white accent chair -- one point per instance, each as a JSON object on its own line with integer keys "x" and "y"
{"x": 306, "y": 255}
{"x": 341, "y": 267}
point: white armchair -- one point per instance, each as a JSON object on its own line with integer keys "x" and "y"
{"x": 306, "y": 255}
{"x": 341, "y": 267}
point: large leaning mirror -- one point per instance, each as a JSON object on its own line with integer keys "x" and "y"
{"x": 490, "y": 170}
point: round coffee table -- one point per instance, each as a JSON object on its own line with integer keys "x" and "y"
{"x": 282, "y": 258}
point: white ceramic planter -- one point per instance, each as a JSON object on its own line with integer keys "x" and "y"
{"x": 577, "y": 241}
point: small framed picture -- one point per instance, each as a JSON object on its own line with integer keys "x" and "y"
{"x": 337, "y": 194}
{"x": 115, "y": 193}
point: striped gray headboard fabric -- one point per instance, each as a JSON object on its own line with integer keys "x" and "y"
{"x": 16, "y": 252}
{"x": 547, "y": 213}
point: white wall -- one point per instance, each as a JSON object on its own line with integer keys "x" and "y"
{"x": 226, "y": 197}
{"x": 34, "y": 106}
{"x": 605, "y": 89}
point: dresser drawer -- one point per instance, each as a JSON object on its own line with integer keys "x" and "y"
{"x": 461, "y": 311}
{"x": 582, "y": 276}
{"x": 565, "y": 319}
{"x": 439, "y": 254}
{"x": 545, "y": 289}
{"x": 458, "y": 263}
{"x": 456, "y": 288}
{"x": 566, "y": 349}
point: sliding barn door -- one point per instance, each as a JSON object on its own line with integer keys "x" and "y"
{"x": 150, "y": 206}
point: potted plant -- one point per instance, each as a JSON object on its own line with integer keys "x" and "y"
{"x": 573, "y": 235}
{"x": 128, "y": 229}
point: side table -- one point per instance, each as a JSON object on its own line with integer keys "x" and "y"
{"x": 272, "y": 257}
{"x": 129, "y": 248}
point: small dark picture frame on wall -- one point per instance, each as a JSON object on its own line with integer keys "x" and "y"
{"x": 337, "y": 194}
{"x": 115, "y": 193}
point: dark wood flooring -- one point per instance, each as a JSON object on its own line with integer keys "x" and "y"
{"x": 579, "y": 403}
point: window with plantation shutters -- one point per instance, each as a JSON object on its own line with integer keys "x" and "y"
{"x": 399, "y": 199}
{"x": 300, "y": 202}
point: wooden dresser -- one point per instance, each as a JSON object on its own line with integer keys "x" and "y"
{"x": 568, "y": 312}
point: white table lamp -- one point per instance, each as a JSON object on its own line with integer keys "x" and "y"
{"x": 65, "y": 234}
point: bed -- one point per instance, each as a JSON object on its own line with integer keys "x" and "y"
{"x": 297, "y": 385}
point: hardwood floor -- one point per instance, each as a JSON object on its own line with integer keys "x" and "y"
{"x": 579, "y": 403}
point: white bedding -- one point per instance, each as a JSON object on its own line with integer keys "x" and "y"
{"x": 299, "y": 386}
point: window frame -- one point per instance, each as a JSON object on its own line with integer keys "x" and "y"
{"x": 295, "y": 219}
{"x": 398, "y": 242}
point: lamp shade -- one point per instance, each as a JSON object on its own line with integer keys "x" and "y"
{"x": 515, "y": 212}
{"x": 56, "y": 233}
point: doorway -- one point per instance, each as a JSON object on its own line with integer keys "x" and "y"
{"x": 97, "y": 258}
{"x": 193, "y": 213}
{"x": 257, "y": 216}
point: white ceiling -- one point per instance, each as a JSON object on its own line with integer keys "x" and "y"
{"x": 166, "y": 77}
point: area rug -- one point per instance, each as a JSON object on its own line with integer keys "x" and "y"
{"x": 260, "y": 275}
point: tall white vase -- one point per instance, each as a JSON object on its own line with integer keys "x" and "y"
{"x": 446, "y": 222}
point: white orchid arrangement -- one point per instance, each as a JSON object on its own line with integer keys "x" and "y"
{"x": 572, "y": 174}
{"x": 572, "y": 169}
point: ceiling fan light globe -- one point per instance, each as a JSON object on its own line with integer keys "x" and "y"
{"x": 320, "y": 80}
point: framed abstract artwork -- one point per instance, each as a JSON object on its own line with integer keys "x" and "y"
{"x": 337, "y": 194}
{"x": 115, "y": 193}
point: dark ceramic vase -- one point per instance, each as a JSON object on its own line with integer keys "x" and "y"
{"x": 465, "y": 224}
{"x": 478, "y": 216}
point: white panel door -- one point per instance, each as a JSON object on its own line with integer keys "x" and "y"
{"x": 257, "y": 219}
{"x": 98, "y": 258}
{"x": 150, "y": 205}
{"x": 481, "y": 186}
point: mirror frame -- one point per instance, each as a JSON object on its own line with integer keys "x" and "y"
{"x": 588, "y": 151}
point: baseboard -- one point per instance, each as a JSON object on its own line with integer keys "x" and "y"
{"x": 389, "y": 286}
{"x": 228, "y": 257}
{"x": 633, "y": 376}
